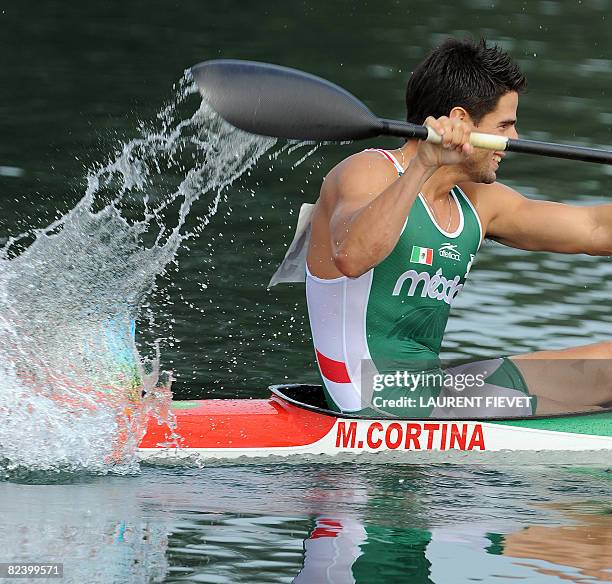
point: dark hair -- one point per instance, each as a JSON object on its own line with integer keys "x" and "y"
{"x": 461, "y": 73}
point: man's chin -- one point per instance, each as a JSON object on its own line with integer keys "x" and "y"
{"x": 478, "y": 174}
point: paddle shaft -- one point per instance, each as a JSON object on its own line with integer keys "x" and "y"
{"x": 500, "y": 143}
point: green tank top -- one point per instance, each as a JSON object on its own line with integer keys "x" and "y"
{"x": 413, "y": 288}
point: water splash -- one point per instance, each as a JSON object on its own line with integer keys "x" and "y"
{"x": 71, "y": 377}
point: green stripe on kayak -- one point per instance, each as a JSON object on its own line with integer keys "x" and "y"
{"x": 593, "y": 424}
{"x": 184, "y": 405}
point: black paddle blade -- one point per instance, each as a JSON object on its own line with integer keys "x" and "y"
{"x": 283, "y": 103}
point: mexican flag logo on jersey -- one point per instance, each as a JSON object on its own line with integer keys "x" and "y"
{"x": 421, "y": 255}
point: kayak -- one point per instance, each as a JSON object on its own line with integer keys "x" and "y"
{"x": 294, "y": 420}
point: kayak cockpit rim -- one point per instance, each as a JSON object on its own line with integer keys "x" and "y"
{"x": 312, "y": 397}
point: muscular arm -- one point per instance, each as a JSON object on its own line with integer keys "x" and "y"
{"x": 369, "y": 209}
{"x": 363, "y": 204}
{"x": 545, "y": 226}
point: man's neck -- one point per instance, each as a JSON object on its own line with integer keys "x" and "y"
{"x": 441, "y": 181}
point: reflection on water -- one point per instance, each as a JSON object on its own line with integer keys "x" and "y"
{"x": 316, "y": 524}
{"x": 100, "y": 532}
{"x": 584, "y": 545}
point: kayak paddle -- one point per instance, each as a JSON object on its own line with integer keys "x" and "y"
{"x": 286, "y": 103}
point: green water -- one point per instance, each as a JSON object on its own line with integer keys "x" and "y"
{"x": 78, "y": 79}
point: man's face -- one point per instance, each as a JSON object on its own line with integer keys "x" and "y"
{"x": 483, "y": 164}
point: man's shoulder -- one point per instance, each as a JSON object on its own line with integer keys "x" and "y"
{"x": 364, "y": 162}
{"x": 490, "y": 200}
{"x": 365, "y": 171}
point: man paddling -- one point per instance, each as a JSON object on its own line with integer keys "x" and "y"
{"x": 394, "y": 235}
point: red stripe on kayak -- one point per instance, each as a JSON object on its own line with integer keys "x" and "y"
{"x": 240, "y": 423}
{"x": 335, "y": 371}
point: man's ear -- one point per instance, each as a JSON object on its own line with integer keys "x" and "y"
{"x": 459, "y": 113}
